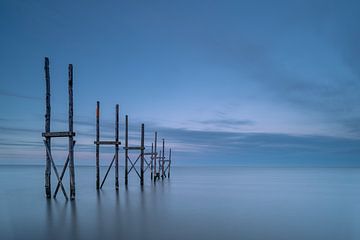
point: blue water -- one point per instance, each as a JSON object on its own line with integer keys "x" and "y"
{"x": 196, "y": 203}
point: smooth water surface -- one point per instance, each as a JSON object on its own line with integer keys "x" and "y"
{"x": 195, "y": 203}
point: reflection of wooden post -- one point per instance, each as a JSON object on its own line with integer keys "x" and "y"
{"x": 142, "y": 155}
{"x": 47, "y": 130}
{"x": 97, "y": 145}
{"x": 71, "y": 138}
{"x": 126, "y": 148}
{"x": 169, "y": 163}
{"x": 117, "y": 148}
{"x": 163, "y": 159}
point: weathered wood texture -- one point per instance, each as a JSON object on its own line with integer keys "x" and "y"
{"x": 117, "y": 148}
{"x": 142, "y": 155}
{"x": 97, "y": 145}
{"x": 155, "y": 157}
{"x": 163, "y": 158}
{"x": 126, "y": 147}
{"x": 47, "y": 130}
{"x": 71, "y": 129}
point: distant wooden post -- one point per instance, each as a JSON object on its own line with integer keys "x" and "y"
{"x": 163, "y": 159}
{"x": 117, "y": 148}
{"x": 116, "y": 143}
{"x": 71, "y": 138}
{"x": 152, "y": 161}
{"x": 126, "y": 148}
{"x": 169, "y": 163}
{"x": 155, "y": 157}
{"x": 97, "y": 145}
{"x": 47, "y": 130}
{"x": 142, "y": 155}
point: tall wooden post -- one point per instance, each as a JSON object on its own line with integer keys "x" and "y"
{"x": 47, "y": 130}
{"x": 169, "y": 163}
{"x": 160, "y": 154}
{"x": 152, "y": 161}
{"x": 126, "y": 147}
{"x": 117, "y": 148}
{"x": 71, "y": 138}
{"x": 163, "y": 159}
{"x": 155, "y": 157}
{"x": 97, "y": 145}
{"x": 142, "y": 155}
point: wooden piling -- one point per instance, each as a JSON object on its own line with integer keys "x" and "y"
{"x": 47, "y": 130}
{"x": 71, "y": 139}
{"x": 117, "y": 148}
{"x": 142, "y": 155}
{"x": 97, "y": 145}
{"x": 169, "y": 163}
{"x": 163, "y": 159}
{"x": 126, "y": 148}
{"x": 152, "y": 161}
{"x": 155, "y": 157}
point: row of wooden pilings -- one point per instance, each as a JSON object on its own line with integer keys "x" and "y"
{"x": 146, "y": 164}
{"x": 158, "y": 165}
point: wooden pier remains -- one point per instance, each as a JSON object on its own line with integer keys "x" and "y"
{"x": 140, "y": 157}
{"x": 48, "y": 135}
{"x": 152, "y": 154}
{"x": 164, "y": 164}
{"x": 157, "y": 164}
{"x": 115, "y": 143}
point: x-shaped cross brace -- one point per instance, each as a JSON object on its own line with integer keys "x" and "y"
{"x": 59, "y": 178}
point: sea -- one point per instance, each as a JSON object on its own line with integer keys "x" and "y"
{"x": 199, "y": 202}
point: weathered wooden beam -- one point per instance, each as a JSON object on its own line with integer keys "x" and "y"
{"x": 142, "y": 155}
{"x": 58, "y": 134}
{"x": 107, "y": 142}
{"x": 117, "y": 148}
{"x": 149, "y": 153}
{"x": 126, "y": 148}
{"x": 97, "y": 145}
{"x": 107, "y": 172}
{"x": 62, "y": 175}
{"x": 47, "y": 129}
{"x": 55, "y": 169}
{"x": 163, "y": 152}
{"x": 169, "y": 163}
{"x": 155, "y": 145}
{"x": 134, "y": 148}
{"x": 151, "y": 161}
{"x": 71, "y": 140}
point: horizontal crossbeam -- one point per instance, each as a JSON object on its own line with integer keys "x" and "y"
{"x": 58, "y": 134}
{"x": 107, "y": 142}
{"x": 134, "y": 148}
{"x": 149, "y": 153}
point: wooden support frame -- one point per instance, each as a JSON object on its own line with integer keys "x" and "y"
{"x": 164, "y": 164}
{"x": 69, "y": 163}
{"x": 115, "y": 143}
{"x": 150, "y": 164}
{"x": 140, "y": 157}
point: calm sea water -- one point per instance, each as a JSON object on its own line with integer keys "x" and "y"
{"x": 196, "y": 203}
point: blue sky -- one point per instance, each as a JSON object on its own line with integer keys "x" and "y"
{"x": 225, "y": 82}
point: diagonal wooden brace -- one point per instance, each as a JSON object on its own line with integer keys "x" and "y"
{"x": 62, "y": 174}
{"x": 107, "y": 172}
{"x": 55, "y": 169}
{"x": 133, "y": 165}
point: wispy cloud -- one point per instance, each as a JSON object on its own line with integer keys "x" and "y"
{"x": 16, "y": 95}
